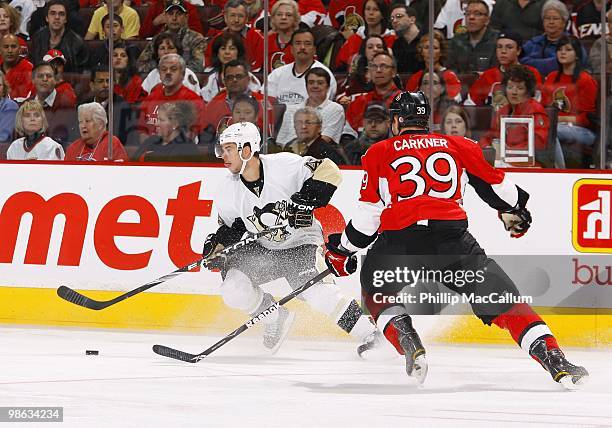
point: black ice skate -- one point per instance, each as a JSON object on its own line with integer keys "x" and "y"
{"x": 416, "y": 363}
{"x": 561, "y": 370}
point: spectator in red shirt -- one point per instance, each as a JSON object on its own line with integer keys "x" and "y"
{"x": 383, "y": 69}
{"x": 520, "y": 86}
{"x": 17, "y": 70}
{"x": 285, "y": 19}
{"x": 488, "y": 89}
{"x": 376, "y": 15}
{"x": 219, "y": 110}
{"x": 359, "y": 81}
{"x": 156, "y": 19}
{"x": 94, "y": 141}
{"x": 172, "y": 71}
{"x": 574, "y": 92}
{"x": 440, "y": 51}
{"x": 58, "y": 62}
{"x": 236, "y": 18}
{"x": 127, "y": 82}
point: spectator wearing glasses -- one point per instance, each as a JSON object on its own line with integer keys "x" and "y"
{"x": 383, "y": 70}
{"x": 541, "y": 51}
{"x": 440, "y": 52}
{"x": 94, "y": 141}
{"x": 308, "y": 142}
{"x": 359, "y": 81}
{"x": 523, "y": 17}
{"x": 31, "y": 125}
{"x": 473, "y": 50}
{"x": 452, "y": 20}
{"x": 405, "y": 48}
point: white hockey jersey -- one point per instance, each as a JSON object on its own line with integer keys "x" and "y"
{"x": 284, "y": 174}
{"x": 45, "y": 149}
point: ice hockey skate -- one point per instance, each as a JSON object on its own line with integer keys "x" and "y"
{"x": 416, "y": 363}
{"x": 561, "y": 370}
{"x": 276, "y": 332}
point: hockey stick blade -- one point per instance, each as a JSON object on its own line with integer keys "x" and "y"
{"x": 166, "y": 351}
{"x": 79, "y": 299}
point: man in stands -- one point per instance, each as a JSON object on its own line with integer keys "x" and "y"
{"x": 124, "y": 118}
{"x": 57, "y": 36}
{"x": 131, "y": 21}
{"x": 473, "y": 50}
{"x": 403, "y": 21}
{"x": 488, "y": 88}
{"x": 382, "y": 71}
{"x": 57, "y": 60}
{"x": 193, "y": 43}
{"x": 287, "y": 83}
{"x": 59, "y": 104}
{"x": 219, "y": 110}
{"x": 375, "y": 128}
{"x": 18, "y": 70}
{"x": 235, "y": 16}
{"x": 172, "y": 71}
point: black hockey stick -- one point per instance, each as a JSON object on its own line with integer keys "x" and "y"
{"x": 77, "y": 298}
{"x": 194, "y": 358}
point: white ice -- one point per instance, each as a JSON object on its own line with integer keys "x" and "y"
{"x": 308, "y": 383}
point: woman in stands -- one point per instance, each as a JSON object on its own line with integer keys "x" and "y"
{"x": 440, "y": 53}
{"x": 285, "y": 19}
{"x": 93, "y": 144}
{"x": 520, "y": 86}
{"x": 574, "y": 92}
{"x": 8, "y": 110}
{"x": 226, "y": 47}
{"x": 173, "y": 142}
{"x": 455, "y": 122}
{"x": 10, "y": 20}
{"x": 376, "y": 15}
{"x": 127, "y": 81}
{"x": 358, "y": 80}
{"x": 31, "y": 124}
{"x": 440, "y": 100}
{"x": 163, "y": 44}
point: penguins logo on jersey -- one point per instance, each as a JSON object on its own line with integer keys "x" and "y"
{"x": 272, "y": 214}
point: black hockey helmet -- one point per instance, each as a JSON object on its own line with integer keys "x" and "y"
{"x": 411, "y": 108}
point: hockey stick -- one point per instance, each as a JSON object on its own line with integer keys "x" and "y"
{"x": 77, "y": 298}
{"x": 194, "y": 358}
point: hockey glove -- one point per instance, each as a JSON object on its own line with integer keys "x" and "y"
{"x": 300, "y": 211}
{"x": 338, "y": 259}
{"x": 517, "y": 221}
{"x": 210, "y": 253}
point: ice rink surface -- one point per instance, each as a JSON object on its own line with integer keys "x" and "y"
{"x": 307, "y": 384}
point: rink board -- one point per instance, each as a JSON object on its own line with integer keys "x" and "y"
{"x": 121, "y": 226}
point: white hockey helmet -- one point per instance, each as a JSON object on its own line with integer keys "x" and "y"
{"x": 240, "y": 134}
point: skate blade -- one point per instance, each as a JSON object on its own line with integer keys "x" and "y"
{"x": 569, "y": 384}
{"x": 419, "y": 371}
{"x": 286, "y": 328}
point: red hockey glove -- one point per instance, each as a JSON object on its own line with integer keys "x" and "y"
{"x": 338, "y": 259}
{"x": 516, "y": 221}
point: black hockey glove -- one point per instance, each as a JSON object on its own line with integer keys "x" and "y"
{"x": 338, "y": 259}
{"x": 300, "y": 211}
{"x": 517, "y": 221}
{"x": 210, "y": 253}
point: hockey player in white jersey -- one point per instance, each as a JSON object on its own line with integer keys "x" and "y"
{"x": 266, "y": 190}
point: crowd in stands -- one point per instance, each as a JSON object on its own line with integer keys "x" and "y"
{"x": 181, "y": 71}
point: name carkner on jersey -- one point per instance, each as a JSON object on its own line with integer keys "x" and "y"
{"x": 419, "y": 143}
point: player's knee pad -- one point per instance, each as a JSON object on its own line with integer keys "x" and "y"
{"x": 238, "y": 292}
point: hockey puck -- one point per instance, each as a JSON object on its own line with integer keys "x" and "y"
{"x": 91, "y": 352}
